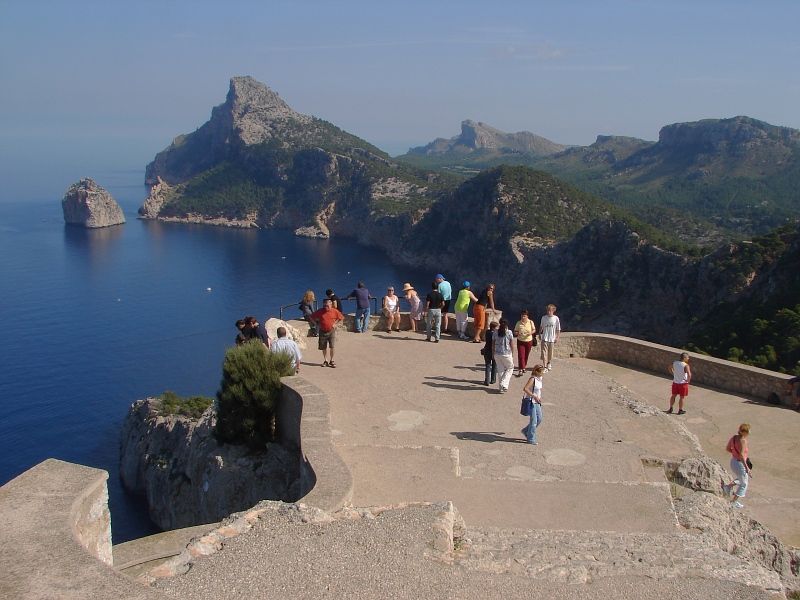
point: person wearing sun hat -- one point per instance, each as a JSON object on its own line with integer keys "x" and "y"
{"x": 414, "y": 300}
{"x": 462, "y": 308}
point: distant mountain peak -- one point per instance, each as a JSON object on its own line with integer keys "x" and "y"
{"x": 480, "y": 136}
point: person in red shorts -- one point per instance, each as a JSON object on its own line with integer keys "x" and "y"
{"x": 681, "y": 376}
{"x": 326, "y": 319}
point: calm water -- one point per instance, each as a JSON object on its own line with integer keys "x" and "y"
{"x": 91, "y": 321}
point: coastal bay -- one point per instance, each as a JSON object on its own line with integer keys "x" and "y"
{"x": 92, "y": 320}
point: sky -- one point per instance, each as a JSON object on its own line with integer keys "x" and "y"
{"x": 93, "y": 84}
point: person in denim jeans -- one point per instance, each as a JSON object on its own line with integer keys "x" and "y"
{"x": 433, "y": 304}
{"x": 737, "y": 446}
{"x": 533, "y": 389}
{"x": 362, "y": 296}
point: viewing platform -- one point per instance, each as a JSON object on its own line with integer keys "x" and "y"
{"x": 408, "y": 426}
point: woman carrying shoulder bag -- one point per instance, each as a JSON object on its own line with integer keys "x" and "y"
{"x": 740, "y": 464}
{"x": 533, "y": 389}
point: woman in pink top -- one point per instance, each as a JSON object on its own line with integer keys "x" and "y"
{"x": 737, "y": 446}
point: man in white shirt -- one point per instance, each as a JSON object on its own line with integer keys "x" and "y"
{"x": 290, "y": 347}
{"x": 681, "y": 376}
{"x": 549, "y": 332}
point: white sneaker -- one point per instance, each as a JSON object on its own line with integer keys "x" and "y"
{"x": 738, "y": 504}
{"x": 549, "y": 367}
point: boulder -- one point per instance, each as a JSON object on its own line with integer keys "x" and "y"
{"x": 292, "y": 332}
{"x": 88, "y": 205}
{"x": 701, "y": 474}
{"x": 738, "y": 534}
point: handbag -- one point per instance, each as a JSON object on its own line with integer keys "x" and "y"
{"x": 535, "y": 342}
{"x": 749, "y": 464}
{"x": 526, "y": 407}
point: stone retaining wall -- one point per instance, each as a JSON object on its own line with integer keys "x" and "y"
{"x": 302, "y": 421}
{"x": 706, "y": 370}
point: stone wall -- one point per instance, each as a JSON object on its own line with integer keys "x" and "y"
{"x": 706, "y": 370}
{"x": 302, "y": 421}
{"x": 56, "y": 537}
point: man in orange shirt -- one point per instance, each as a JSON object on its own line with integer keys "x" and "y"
{"x": 327, "y": 318}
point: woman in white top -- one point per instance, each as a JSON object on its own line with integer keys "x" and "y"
{"x": 501, "y": 346}
{"x": 391, "y": 310}
{"x": 533, "y": 389}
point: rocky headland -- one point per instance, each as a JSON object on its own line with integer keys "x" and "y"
{"x": 88, "y": 205}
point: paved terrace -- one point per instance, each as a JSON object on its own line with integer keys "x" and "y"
{"x": 412, "y": 422}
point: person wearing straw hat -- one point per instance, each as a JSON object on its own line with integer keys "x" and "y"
{"x": 416, "y": 305}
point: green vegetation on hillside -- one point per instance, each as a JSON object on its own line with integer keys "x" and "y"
{"x": 702, "y": 195}
{"x": 529, "y": 202}
{"x": 227, "y": 190}
{"x": 763, "y": 327}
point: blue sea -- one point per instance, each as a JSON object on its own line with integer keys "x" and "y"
{"x": 92, "y": 320}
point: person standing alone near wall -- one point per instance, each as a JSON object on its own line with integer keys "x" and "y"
{"x": 549, "y": 332}
{"x": 681, "y": 376}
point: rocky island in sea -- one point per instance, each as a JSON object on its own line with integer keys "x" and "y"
{"x": 88, "y": 205}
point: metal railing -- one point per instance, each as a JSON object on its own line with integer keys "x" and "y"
{"x": 373, "y": 306}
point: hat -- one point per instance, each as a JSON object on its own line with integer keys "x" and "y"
{"x": 440, "y": 276}
{"x": 466, "y": 284}
{"x": 407, "y": 286}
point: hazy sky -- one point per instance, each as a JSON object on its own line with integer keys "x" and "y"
{"x": 115, "y": 81}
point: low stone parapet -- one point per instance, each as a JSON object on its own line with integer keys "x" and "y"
{"x": 707, "y": 370}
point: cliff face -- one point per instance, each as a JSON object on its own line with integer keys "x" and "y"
{"x": 89, "y": 205}
{"x": 189, "y": 478}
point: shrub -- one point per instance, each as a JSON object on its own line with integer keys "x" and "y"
{"x": 251, "y": 384}
{"x": 192, "y": 407}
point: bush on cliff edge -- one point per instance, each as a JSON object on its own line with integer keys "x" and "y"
{"x": 249, "y": 391}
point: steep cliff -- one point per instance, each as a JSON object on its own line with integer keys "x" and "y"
{"x": 191, "y": 479}
{"x": 89, "y": 205}
{"x": 257, "y": 162}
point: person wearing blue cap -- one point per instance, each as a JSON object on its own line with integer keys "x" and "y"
{"x": 462, "y": 308}
{"x": 447, "y": 293}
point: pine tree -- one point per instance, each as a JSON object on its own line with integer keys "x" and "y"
{"x": 249, "y": 392}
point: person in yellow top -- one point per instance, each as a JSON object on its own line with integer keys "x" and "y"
{"x": 462, "y": 308}
{"x": 524, "y": 331}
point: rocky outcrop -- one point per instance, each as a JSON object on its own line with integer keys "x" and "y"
{"x": 736, "y": 533}
{"x": 159, "y": 194}
{"x": 479, "y": 136}
{"x": 252, "y": 114}
{"x": 189, "y": 478}
{"x": 88, "y": 205}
